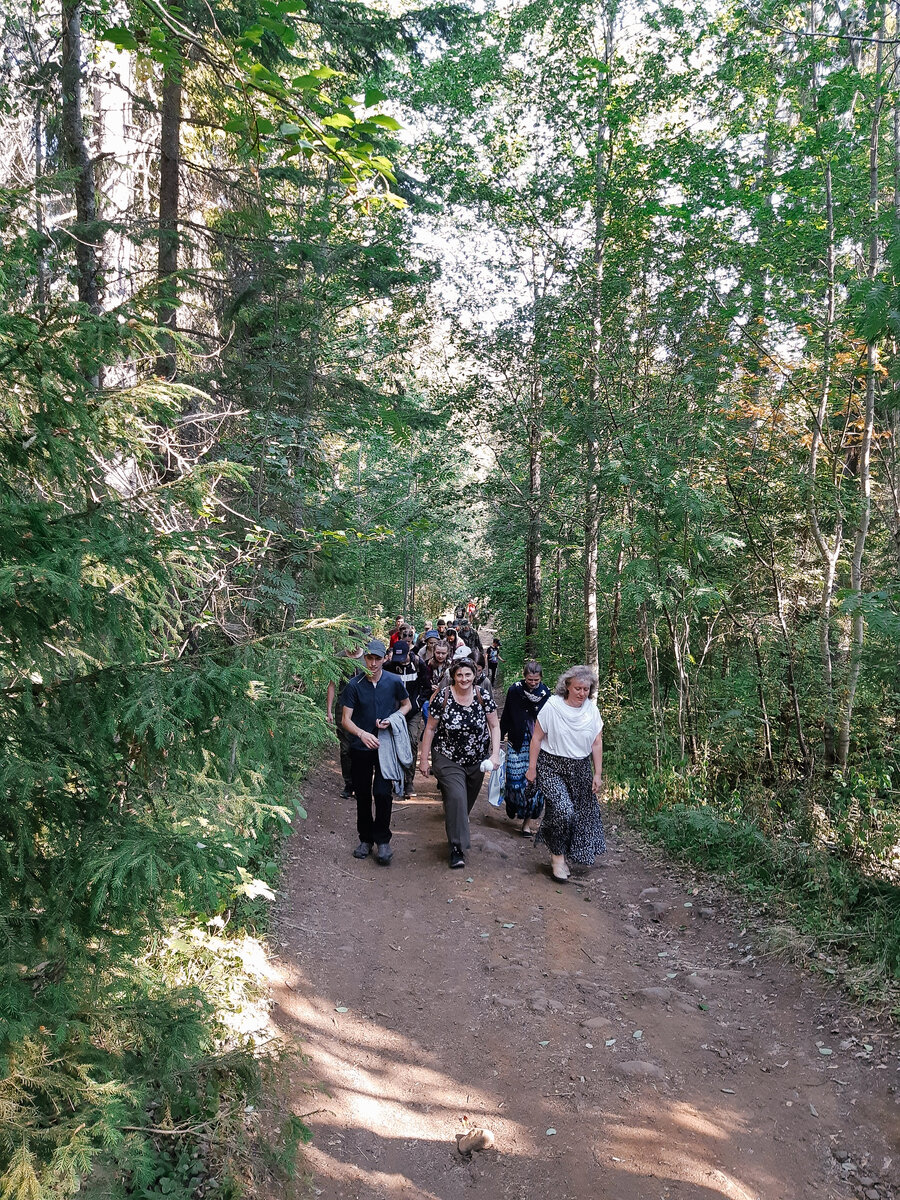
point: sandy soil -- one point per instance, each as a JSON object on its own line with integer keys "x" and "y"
{"x": 623, "y": 1036}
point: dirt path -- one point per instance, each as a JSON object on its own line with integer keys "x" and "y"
{"x": 620, "y": 1036}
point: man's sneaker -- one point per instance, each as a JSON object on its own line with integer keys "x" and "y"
{"x": 457, "y": 858}
{"x": 346, "y": 793}
{"x": 363, "y": 850}
{"x": 384, "y": 854}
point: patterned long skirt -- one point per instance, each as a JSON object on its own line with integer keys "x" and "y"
{"x": 571, "y": 824}
{"x": 519, "y": 805}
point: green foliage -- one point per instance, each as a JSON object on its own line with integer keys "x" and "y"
{"x": 836, "y": 900}
{"x": 174, "y": 553}
{"x": 291, "y": 101}
{"x": 150, "y": 766}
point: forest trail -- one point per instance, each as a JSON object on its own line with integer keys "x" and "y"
{"x": 427, "y": 1000}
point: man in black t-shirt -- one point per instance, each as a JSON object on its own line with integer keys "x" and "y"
{"x": 334, "y": 711}
{"x": 368, "y": 701}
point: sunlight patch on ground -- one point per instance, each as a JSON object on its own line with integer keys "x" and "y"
{"x": 650, "y": 1141}
{"x": 387, "y": 1083}
{"x": 361, "y": 1183}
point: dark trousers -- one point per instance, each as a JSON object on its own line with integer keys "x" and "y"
{"x": 414, "y": 728}
{"x": 459, "y": 787}
{"x": 343, "y": 738}
{"x": 371, "y": 788}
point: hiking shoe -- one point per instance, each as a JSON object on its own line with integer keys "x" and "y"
{"x": 384, "y": 854}
{"x": 346, "y": 793}
{"x": 363, "y": 850}
{"x": 457, "y": 858}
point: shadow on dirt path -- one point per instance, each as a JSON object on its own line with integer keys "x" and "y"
{"x": 620, "y": 1035}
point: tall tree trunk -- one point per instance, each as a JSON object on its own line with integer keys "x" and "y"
{"x": 85, "y": 232}
{"x": 789, "y": 658}
{"x": 687, "y": 740}
{"x": 39, "y": 224}
{"x": 616, "y": 611}
{"x": 406, "y": 576}
{"x": 591, "y": 534}
{"x": 169, "y": 171}
{"x": 592, "y": 448}
{"x": 556, "y": 612}
{"x": 651, "y": 663}
{"x": 828, "y": 553}
{"x": 761, "y": 693}
{"x": 534, "y": 581}
{"x": 858, "y": 625}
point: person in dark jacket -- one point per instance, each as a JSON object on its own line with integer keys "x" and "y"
{"x": 369, "y": 700}
{"x": 410, "y": 670}
{"x": 524, "y": 700}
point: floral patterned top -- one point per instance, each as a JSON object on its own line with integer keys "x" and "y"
{"x": 462, "y": 732}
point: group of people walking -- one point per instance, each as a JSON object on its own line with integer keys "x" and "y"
{"x": 433, "y": 694}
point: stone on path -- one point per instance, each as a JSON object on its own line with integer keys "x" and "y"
{"x": 638, "y": 1069}
{"x": 475, "y": 1139}
{"x": 599, "y": 1022}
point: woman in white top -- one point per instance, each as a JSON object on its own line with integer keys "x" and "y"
{"x": 566, "y": 760}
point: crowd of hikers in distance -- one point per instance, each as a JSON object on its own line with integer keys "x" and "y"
{"x": 426, "y": 701}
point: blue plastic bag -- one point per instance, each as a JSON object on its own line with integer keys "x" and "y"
{"x": 497, "y": 782}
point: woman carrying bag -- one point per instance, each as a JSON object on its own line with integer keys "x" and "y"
{"x": 463, "y": 725}
{"x": 524, "y": 701}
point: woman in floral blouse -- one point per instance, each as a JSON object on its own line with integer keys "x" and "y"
{"x": 463, "y": 725}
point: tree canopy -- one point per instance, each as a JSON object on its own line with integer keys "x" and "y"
{"x": 315, "y": 313}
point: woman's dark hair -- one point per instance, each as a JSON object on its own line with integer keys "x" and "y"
{"x": 457, "y": 665}
{"x": 533, "y": 668}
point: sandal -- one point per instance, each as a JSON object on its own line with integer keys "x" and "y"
{"x": 560, "y": 872}
{"x": 527, "y": 832}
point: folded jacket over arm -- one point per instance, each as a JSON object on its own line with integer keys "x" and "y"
{"x": 394, "y": 751}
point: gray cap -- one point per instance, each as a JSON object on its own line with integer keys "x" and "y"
{"x": 376, "y": 647}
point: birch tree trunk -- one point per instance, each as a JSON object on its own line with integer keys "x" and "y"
{"x": 858, "y": 625}
{"x": 648, "y": 644}
{"x": 616, "y": 610}
{"x": 534, "y": 581}
{"x": 828, "y": 553}
{"x": 592, "y": 447}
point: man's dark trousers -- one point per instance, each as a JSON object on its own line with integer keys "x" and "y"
{"x": 369, "y": 784}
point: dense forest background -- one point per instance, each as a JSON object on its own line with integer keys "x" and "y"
{"x": 313, "y": 311}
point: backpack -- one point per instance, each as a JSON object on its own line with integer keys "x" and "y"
{"x": 339, "y": 702}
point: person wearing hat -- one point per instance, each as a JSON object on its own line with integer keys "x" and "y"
{"x": 427, "y": 640}
{"x": 427, "y": 630}
{"x": 369, "y": 700}
{"x": 410, "y": 670}
{"x": 334, "y": 713}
